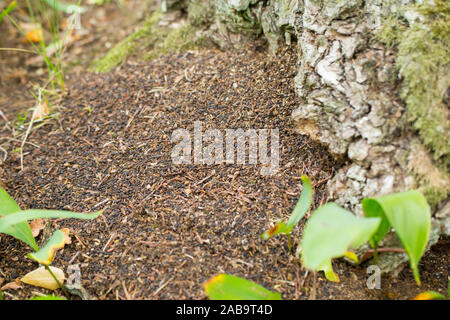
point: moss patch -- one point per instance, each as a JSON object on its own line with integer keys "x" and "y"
{"x": 200, "y": 12}
{"x": 178, "y": 40}
{"x": 127, "y": 46}
{"x": 151, "y": 40}
{"x": 424, "y": 64}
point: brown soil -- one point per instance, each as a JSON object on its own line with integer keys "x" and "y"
{"x": 168, "y": 228}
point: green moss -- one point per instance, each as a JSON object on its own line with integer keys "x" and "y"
{"x": 178, "y": 40}
{"x": 200, "y": 12}
{"x": 151, "y": 40}
{"x": 127, "y": 46}
{"x": 434, "y": 195}
{"x": 424, "y": 64}
{"x": 181, "y": 39}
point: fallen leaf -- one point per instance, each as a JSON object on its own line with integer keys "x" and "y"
{"x": 12, "y": 285}
{"x": 34, "y": 35}
{"x": 42, "y": 278}
{"x": 67, "y": 239}
{"x": 36, "y": 226}
{"x": 41, "y": 111}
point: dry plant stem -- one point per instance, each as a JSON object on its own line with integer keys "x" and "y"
{"x": 28, "y": 131}
{"x": 17, "y": 49}
{"x": 1, "y": 296}
{"x": 57, "y": 281}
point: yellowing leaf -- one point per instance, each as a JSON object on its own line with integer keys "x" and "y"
{"x": 429, "y": 295}
{"x": 352, "y": 256}
{"x": 228, "y": 287}
{"x": 302, "y": 206}
{"x": 42, "y": 278}
{"x": 329, "y": 273}
{"x": 34, "y": 35}
{"x": 46, "y": 254}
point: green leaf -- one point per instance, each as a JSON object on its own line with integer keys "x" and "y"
{"x": 228, "y": 287}
{"x": 46, "y": 254}
{"x": 8, "y": 10}
{"x": 372, "y": 209}
{"x": 328, "y": 271}
{"x": 32, "y": 214}
{"x": 429, "y": 295}
{"x": 48, "y": 297}
{"x": 302, "y": 206}
{"x": 20, "y": 230}
{"x": 330, "y": 232}
{"x": 409, "y": 214}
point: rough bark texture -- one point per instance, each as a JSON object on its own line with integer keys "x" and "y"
{"x": 372, "y": 88}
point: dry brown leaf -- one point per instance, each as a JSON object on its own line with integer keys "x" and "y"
{"x": 12, "y": 285}
{"x": 42, "y": 110}
{"x": 66, "y": 232}
{"x": 36, "y": 226}
{"x": 42, "y": 278}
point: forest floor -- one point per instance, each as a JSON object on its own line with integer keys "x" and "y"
{"x": 168, "y": 228}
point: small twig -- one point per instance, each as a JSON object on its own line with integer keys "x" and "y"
{"x": 28, "y": 130}
{"x": 74, "y": 257}
{"x": 109, "y": 241}
{"x": 162, "y": 286}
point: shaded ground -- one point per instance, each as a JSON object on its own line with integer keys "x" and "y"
{"x": 168, "y": 228}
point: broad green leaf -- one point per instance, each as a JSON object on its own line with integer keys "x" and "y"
{"x": 46, "y": 254}
{"x": 409, "y": 214}
{"x": 48, "y": 297}
{"x": 20, "y": 230}
{"x": 228, "y": 287}
{"x": 32, "y": 214}
{"x": 330, "y": 232}
{"x": 302, "y": 206}
{"x": 371, "y": 209}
